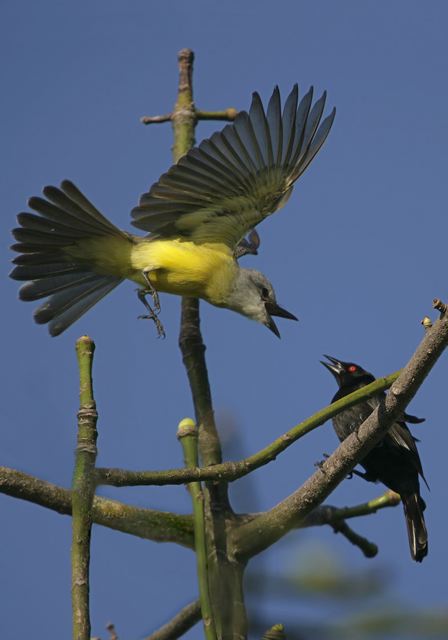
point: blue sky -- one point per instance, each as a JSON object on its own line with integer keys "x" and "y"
{"x": 358, "y": 254}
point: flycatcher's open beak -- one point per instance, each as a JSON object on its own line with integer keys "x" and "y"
{"x": 273, "y": 309}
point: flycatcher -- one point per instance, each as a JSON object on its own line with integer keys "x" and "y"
{"x": 197, "y": 215}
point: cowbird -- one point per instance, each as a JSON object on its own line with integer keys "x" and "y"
{"x": 394, "y": 461}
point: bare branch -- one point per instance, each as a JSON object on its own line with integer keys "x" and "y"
{"x": 228, "y": 114}
{"x": 180, "y": 624}
{"x": 253, "y": 537}
{"x": 83, "y": 491}
{"x": 336, "y": 518}
{"x": 327, "y": 514}
{"x": 368, "y": 548}
{"x": 187, "y": 433}
{"x": 156, "y": 119}
{"x": 224, "y": 578}
{"x": 159, "y": 526}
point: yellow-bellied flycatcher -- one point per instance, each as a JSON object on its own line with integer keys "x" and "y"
{"x": 197, "y": 214}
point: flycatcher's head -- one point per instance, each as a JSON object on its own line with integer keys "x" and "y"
{"x": 253, "y": 296}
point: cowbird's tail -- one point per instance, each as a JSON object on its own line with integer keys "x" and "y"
{"x": 414, "y": 506}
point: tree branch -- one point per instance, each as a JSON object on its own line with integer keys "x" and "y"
{"x": 188, "y": 436}
{"x": 225, "y": 578}
{"x": 180, "y": 624}
{"x": 230, "y": 471}
{"x": 226, "y": 115}
{"x": 251, "y": 538}
{"x": 369, "y": 549}
{"x": 156, "y": 119}
{"x": 83, "y": 491}
{"x": 159, "y": 526}
{"x": 327, "y": 514}
{"x": 336, "y": 516}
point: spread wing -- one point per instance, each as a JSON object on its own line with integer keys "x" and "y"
{"x": 224, "y": 187}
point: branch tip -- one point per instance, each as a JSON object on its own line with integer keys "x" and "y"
{"x": 440, "y": 306}
{"x": 369, "y": 549}
{"x": 187, "y": 427}
{"x": 276, "y": 632}
{"x": 167, "y": 117}
{"x": 186, "y": 55}
{"x": 112, "y": 632}
{"x": 228, "y": 114}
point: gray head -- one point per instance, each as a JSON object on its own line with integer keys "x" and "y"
{"x": 253, "y": 296}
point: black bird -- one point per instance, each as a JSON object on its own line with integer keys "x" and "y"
{"x": 394, "y": 461}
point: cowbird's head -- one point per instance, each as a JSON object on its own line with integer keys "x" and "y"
{"x": 347, "y": 373}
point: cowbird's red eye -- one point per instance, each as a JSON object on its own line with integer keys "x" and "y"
{"x": 352, "y": 368}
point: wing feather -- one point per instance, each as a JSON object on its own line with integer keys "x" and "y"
{"x": 227, "y": 185}
{"x": 275, "y": 127}
{"x": 289, "y": 125}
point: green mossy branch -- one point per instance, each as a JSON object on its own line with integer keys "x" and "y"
{"x": 230, "y": 471}
{"x": 149, "y": 524}
{"x": 188, "y": 436}
{"x": 83, "y": 491}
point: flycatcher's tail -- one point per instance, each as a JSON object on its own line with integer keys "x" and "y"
{"x": 418, "y": 537}
{"x": 58, "y": 249}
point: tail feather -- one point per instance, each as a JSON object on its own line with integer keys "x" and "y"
{"x": 70, "y": 215}
{"x": 36, "y": 259}
{"x": 47, "y": 270}
{"x": 52, "y": 284}
{"x": 414, "y": 506}
{"x": 69, "y": 281}
{"x": 38, "y": 223}
{"x": 70, "y": 198}
{"x": 64, "y": 308}
{"x": 31, "y": 237}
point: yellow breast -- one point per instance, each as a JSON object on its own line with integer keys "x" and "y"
{"x": 185, "y": 268}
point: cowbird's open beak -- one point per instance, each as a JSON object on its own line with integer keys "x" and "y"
{"x": 336, "y": 367}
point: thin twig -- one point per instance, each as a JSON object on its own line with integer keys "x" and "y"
{"x": 336, "y": 517}
{"x": 230, "y": 471}
{"x": 83, "y": 491}
{"x": 369, "y": 549}
{"x": 387, "y": 499}
{"x": 440, "y": 306}
{"x": 179, "y": 624}
{"x": 156, "y": 119}
{"x": 112, "y": 631}
{"x": 188, "y": 436}
{"x": 227, "y": 114}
